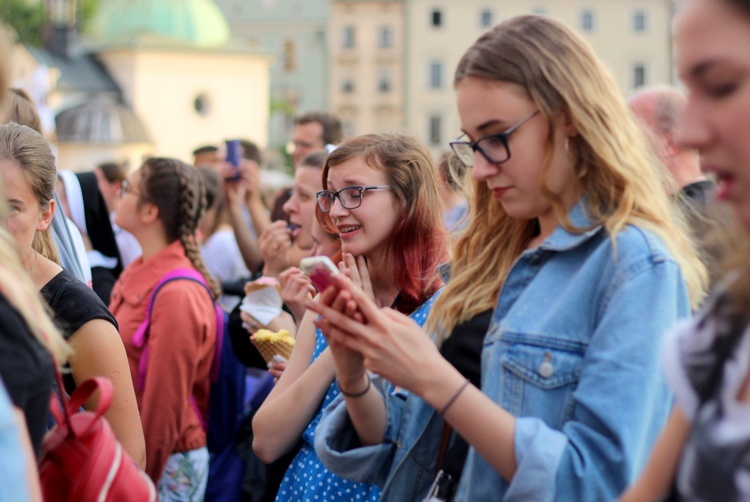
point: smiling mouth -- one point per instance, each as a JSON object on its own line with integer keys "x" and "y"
{"x": 348, "y": 229}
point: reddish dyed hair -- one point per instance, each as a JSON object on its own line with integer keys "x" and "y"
{"x": 418, "y": 243}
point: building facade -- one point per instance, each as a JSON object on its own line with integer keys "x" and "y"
{"x": 632, "y": 37}
{"x": 367, "y": 71}
{"x": 294, "y": 33}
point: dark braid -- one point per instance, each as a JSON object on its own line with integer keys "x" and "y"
{"x": 178, "y": 191}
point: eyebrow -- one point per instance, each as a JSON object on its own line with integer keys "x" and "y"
{"x": 701, "y": 69}
{"x": 487, "y": 125}
{"x": 16, "y": 201}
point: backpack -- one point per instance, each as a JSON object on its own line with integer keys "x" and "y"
{"x": 82, "y": 460}
{"x": 226, "y": 398}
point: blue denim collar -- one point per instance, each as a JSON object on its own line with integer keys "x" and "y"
{"x": 562, "y": 240}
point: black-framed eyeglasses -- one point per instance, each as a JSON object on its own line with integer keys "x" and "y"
{"x": 493, "y": 147}
{"x": 350, "y": 197}
{"x": 126, "y": 188}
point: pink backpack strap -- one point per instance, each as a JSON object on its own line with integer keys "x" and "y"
{"x": 141, "y": 335}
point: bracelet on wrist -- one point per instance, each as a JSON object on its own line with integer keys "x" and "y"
{"x": 455, "y": 396}
{"x": 360, "y": 393}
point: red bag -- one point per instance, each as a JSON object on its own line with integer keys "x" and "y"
{"x": 82, "y": 460}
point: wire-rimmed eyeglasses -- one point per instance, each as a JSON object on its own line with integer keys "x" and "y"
{"x": 350, "y": 197}
{"x": 493, "y": 147}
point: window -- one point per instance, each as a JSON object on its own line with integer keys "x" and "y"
{"x": 587, "y": 20}
{"x": 384, "y": 80}
{"x": 639, "y": 21}
{"x": 385, "y": 37}
{"x": 290, "y": 55}
{"x": 485, "y": 18}
{"x": 347, "y": 37}
{"x": 436, "y": 130}
{"x": 639, "y": 75}
{"x": 347, "y": 86}
{"x": 436, "y": 18}
{"x": 436, "y": 75}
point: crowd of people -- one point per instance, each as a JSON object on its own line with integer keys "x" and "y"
{"x": 555, "y": 309}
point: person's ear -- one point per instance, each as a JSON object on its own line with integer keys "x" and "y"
{"x": 568, "y": 125}
{"x": 45, "y": 217}
{"x": 671, "y": 144}
{"x": 149, "y": 212}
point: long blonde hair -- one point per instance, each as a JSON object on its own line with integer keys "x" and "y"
{"x": 615, "y": 163}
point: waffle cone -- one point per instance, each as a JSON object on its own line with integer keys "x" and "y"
{"x": 268, "y": 348}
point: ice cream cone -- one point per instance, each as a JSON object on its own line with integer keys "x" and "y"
{"x": 271, "y": 344}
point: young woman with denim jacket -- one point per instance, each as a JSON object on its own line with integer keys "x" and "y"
{"x": 702, "y": 453}
{"x": 578, "y": 250}
{"x": 380, "y": 194}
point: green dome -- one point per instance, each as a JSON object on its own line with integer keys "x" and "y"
{"x": 198, "y": 23}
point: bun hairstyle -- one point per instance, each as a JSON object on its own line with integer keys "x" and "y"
{"x": 177, "y": 190}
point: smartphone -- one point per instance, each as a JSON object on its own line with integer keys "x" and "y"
{"x": 320, "y": 270}
{"x": 234, "y": 154}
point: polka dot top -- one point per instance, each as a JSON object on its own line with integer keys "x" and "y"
{"x": 307, "y": 479}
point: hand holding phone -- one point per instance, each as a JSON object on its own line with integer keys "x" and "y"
{"x": 320, "y": 270}
{"x": 234, "y": 155}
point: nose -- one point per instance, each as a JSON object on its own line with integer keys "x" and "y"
{"x": 694, "y": 131}
{"x": 290, "y": 206}
{"x": 337, "y": 209}
{"x": 483, "y": 169}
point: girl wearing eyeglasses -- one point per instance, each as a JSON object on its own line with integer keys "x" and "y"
{"x": 575, "y": 246}
{"x": 381, "y": 196}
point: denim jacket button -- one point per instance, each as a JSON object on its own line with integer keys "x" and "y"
{"x": 546, "y": 369}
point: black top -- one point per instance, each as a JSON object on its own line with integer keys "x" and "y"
{"x": 463, "y": 349}
{"x": 74, "y": 304}
{"x": 100, "y": 233}
{"x": 26, "y": 370}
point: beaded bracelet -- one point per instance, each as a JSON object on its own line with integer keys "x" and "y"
{"x": 360, "y": 393}
{"x": 455, "y": 396}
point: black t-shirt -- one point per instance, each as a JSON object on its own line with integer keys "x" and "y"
{"x": 463, "y": 349}
{"x": 74, "y": 304}
{"x": 27, "y": 371}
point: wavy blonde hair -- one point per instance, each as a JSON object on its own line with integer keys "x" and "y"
{"x": 615, "y": 164}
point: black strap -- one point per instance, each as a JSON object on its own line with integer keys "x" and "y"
{"x": 444, "y": 440}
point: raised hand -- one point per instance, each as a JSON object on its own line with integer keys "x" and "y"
{"x": 356, "y": 269}
{"x": 296, "y": 289}
{"x": 392, "y": 344}
{"x": 275, "y": 243}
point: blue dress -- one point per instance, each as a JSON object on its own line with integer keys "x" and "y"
{"x": 307, "y": 479}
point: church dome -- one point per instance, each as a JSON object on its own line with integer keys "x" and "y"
{"x": 101, "y": 120}
{"x": 195, "y": 23}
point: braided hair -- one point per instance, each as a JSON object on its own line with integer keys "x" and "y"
{"x": 178, "y": 191}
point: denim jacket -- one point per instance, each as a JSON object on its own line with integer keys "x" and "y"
{"x": 573, "y": 353}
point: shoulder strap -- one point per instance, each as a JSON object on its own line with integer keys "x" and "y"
{"x": 141, "y": 335}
